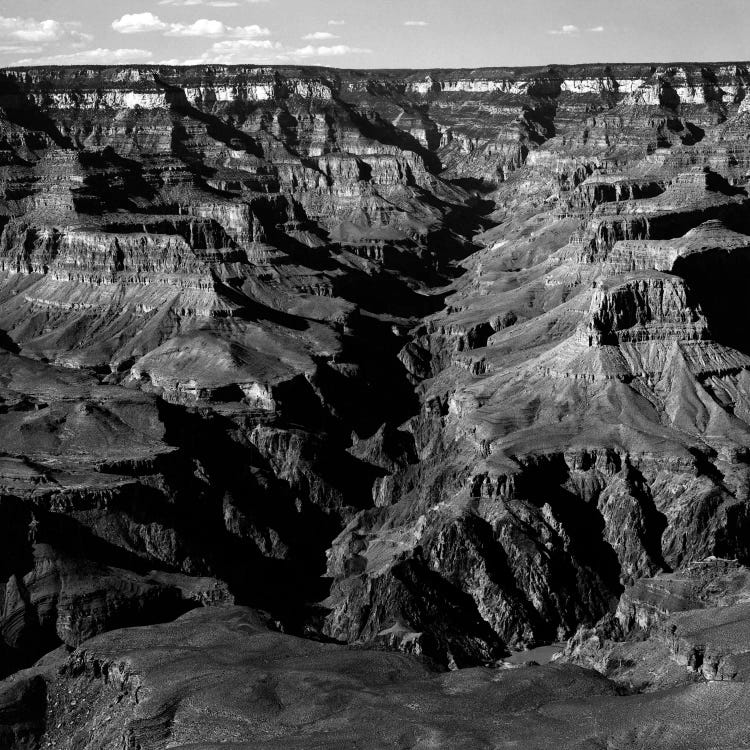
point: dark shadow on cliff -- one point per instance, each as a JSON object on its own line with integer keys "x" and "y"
{"x": 267, "y": 536}
{"x": 20, "y": 110}
{"x": 7, "y": 343}
{"x": 388, "y": 134}
{"x": 216, "y": 128}
{"x": 115, "y": 180}
{"x": 717, "y": 279}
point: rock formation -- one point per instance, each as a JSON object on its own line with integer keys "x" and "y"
{"x": 217, "y": 676}
{"x": 453, "y": 363}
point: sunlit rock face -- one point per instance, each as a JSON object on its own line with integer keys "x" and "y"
{"x": 452, "y": 363}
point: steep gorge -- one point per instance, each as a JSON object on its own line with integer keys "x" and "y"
{"x": 441, "y": 362}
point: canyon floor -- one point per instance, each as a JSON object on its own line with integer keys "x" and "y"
{"x": 326, "y": 395}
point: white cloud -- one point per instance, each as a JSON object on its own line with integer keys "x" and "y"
{"x": 567, "y": 29}
{"x": 212, "y": 28}
{"x": 121, "y": 54}
{"x": 93, "y": 56}
{"x": 320, "y": 36}
{"x": 212, "y": 3}
{"x": 334, "y": 51}
{"x": 231, "y": 51}
{"x": 416, "y": 23}
{"x": 248, "y": 32}
{"x": 138, "y": 23}
{"x": 571, "y": 30}
{"x": 19, "y": 49}
{"x": 201, "y": 27}
{"x": 41, "y": 32}
{"x": 239, "y": 45}
{"x": 45, "y": 31}
{"x": 337, "y": 23}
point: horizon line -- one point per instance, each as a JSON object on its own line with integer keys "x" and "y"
{"x": 117, "y": 64}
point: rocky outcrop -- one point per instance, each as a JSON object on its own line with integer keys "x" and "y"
{"x": 221, "y": 673}
{"x": 677, "y": 628}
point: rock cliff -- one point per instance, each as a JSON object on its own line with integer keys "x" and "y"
{"x": 454, "y": 363}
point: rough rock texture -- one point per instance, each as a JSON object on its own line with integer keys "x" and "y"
{"x": 584, "y": 413}
{"x": 674, "y": 629}
{"x": 446, "y": 362}
{"x": 217, "y": 678}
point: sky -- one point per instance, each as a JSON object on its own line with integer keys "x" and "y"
{"x": 372, "y": 33}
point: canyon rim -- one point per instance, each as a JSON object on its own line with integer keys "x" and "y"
{"x": 348, "y": 407}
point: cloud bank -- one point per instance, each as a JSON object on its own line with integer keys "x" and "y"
{"x": 140, "y": 23}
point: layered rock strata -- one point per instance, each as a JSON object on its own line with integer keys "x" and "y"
{"x": 436, "y": 361}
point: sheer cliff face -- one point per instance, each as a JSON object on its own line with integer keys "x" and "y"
{"x": 437, "y": 361}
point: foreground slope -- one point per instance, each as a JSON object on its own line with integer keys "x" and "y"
{"x": 217, "y": 678}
